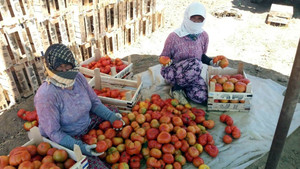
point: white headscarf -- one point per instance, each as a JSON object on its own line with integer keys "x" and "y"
{"x": 188, "y": 26}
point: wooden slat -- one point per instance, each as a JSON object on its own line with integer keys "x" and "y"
{"x": 22, "y": 81}
{"x": 35, "y": 36}
{"x": 71, "y": 31}
{"x": 42, "y": 28}
{"x": 32, "y": 77}
{"x": 5, "y": 58}
{"x": 63, "y": 30}
{"x": 9, "y": 83}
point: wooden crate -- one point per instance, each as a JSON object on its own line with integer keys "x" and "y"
{"x": 19, "y": 43}
{"x": 81, "y": 160}
{"x": 39, "y": 70}
{"x": 112, "y": 17}
{"x": 146, "y": 25}
{"x": 280, "y": 14}
{"x": 56, "y": 7}
{"x": 9, "y": 82}
{"x": 14, "y": 11}
{"x": 3, "y": 99}
{"x": 97, "y": 56}
{"x": 131, "y": 13}
{"x": 212, "y": 95}
{"x": 5, "y": 56}
{"x": 40, "y": 10}
{"x": 133, "y": 88}
{"x": 158, "y": 19}
{"x": 34, "y": 37}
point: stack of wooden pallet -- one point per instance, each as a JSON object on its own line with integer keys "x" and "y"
{"x": 29, "y": 27}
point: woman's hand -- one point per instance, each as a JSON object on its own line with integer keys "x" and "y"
{"x": 119, "y": 117}
{"x": 90, "y": 150}
{"x": 165, "y": 61}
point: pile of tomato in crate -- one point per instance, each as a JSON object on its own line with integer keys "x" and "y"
{"x": 228, "y": 90}
{"x": 108, "y": 67}
{"x": 158, "y": 134}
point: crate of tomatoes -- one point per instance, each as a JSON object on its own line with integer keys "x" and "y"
{"x": 228, "y": 89}
{"x": 122, "y": 93}
{"x": 116, "y": 68}
{"x": 40, "y": 152}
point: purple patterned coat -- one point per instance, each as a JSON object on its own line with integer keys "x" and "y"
{"x": 186, "y": 68}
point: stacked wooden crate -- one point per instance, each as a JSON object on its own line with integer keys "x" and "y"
{"x": 29, "y": 27}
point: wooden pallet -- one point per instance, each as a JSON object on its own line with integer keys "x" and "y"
{"x": 9, "y": 82}
{"x": 279, "y": 14}
{"x": 212, "y": 95}
{"x": 133, "y": 87}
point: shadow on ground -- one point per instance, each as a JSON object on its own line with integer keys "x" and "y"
{"x": 263, "y": 6}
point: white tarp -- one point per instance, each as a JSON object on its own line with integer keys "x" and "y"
{"x": 257, "y": 126}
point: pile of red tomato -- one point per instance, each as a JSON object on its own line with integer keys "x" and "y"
{"x": 112, "y": 93}
{"x": 30, "y": 117}
{"x": 163, "y": 133}
{"x": 41, "y": 156}
{"x": 105, "y": 63}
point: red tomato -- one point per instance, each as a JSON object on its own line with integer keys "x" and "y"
{"x": 117, "y": 124}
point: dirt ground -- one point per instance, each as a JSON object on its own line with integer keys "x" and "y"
{"x": 267, "y": 51}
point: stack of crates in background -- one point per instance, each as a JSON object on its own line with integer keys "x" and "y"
{"x": 27, "y": 28}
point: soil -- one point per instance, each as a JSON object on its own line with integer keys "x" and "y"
{"x": 267, "y": 51}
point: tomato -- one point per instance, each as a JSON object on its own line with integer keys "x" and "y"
{"x": 197, "y": 161}
{"x": 177, "y": 165}
{"x": 101, "y": 146}
{"x": 223, "y": 117}
{"x": 154, "y": 97}
{"x": 212, "y": 150}
{"x": 18, "y": 156}
{"x": 60, "y": 155}
{"x": 69, "y": 163}
{"x": 180, "y": 158}
{"x": 227, "y": 139}
{"x": 152, "y": 133}
{"x": 133, "y": 147}
{"x": 168, "y": 158}
{"x": 168, "y": 148}
{"x": 105, "y": 125}
{"x": 31, "y": 115}
{"x": 113, "y": 155}
{"x": 164, "y": 137}
{"x": 154, "y": 144}
{"x": 193, "y": 151}
{"x": 188, "y": 157}
{"x": 228, "y": 129}
{"x": 117, "y": 124}
{"x": 198, "y": 112}
{"x": 186, "y": 118}
{"x": 3, "y": 161}
{"x": 202, "y": 139}
{"x": 229, "y": 121}
{"x": 236, "y": 133}
{"x": 156, "y": 153}
{"x": 110, "y": 133}
{"x": 152, "y": 162}
{"x": 43, "y": 147}
{"x": 22, "y": 114}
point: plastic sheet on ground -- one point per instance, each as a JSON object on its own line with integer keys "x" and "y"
{"x": 257, "y": 126}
